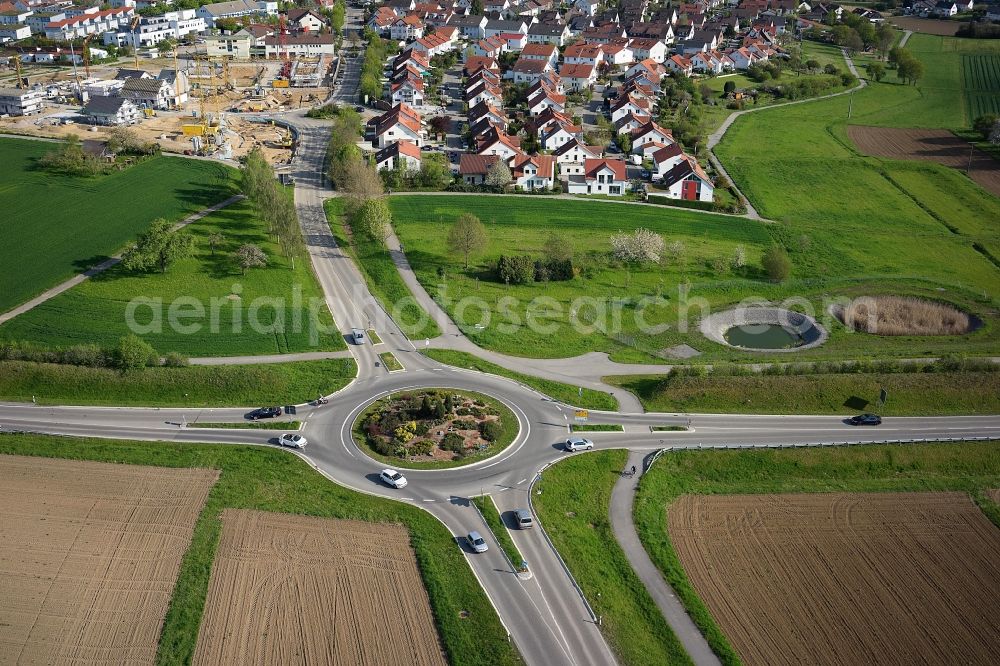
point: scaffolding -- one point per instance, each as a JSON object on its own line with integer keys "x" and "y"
{"x": 307, "y": 72}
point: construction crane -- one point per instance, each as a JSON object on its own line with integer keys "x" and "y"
{"x": 135, "y": 41}
{"x": 178, "y": 93}
{"x": 86, "y": 53}
{"x": 17, "y": 69}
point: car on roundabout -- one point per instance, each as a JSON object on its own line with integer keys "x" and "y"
{"x": 578, "y": 444}
{"x": 865, "y": 420}
{"x": 476, "y": 542}
{"x": 392, "y": 478}
{"x": 293, "y": 440}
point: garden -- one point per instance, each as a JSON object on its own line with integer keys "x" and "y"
{"x": 435, "y": 428}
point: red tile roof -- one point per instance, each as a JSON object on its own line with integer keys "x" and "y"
{"x": 592, "y": 166}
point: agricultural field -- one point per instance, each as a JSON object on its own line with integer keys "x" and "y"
{"x": 926, "y": 25}
{"x": 981, "y": 75}
{"x": 61, "y": 225}
{"x": 834, "y": 578}
{"x": 326, "y": 602}
{"x": 90, "y": 553}
{"x": 268, "y": 310}
{"x": 619, "y": 299}
{"x": 938, "y": 146}
{"x": 266, "y": 479}
{"x": 965, "y": 468}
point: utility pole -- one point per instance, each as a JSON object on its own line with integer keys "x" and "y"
{"x": 850, "y": 106}
{"x": 972, "y": 151}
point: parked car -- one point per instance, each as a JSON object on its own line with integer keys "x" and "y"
{"x": 865, "y": 419}
{"x": 522, "y": 517}
{"x": 293, "y": 440}
{"x": 264, "y": 413}
{"x": 477, "y": 542}
{"x": 393, "y": 478}
{"x": 578, "y": 444}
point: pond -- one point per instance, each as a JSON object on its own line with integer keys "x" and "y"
{"x": 767, "y": 336}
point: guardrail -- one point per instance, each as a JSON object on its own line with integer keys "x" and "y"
{"x": 701, "y": 446}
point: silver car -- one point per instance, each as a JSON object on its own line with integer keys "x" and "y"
{"x": 477, "y": 542}
{"x": 578, "y": 444}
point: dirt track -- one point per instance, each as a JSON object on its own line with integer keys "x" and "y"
{"x": 301, "y": 590}
{"x": 836, "y": 578}
{"x": 938, "y": 146}
{"x": 89, "y": 554}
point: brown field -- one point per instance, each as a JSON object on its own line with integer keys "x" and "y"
{"x": 903, "y": 315}
{"x": 839, "y": 578}
{"x": 940, "y": 146}
{"x": 926, "y": 25}
{"x": 89, "y": 554}
{"x": 302, "y": 590}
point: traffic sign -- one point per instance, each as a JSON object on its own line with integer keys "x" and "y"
{"x": 581, "y": 415}
{"x": 883, "y": 394}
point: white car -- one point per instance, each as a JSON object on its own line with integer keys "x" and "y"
{"x": 477, "y": 542}
{"x": 393, "y": 478}
{"x": 578, "y": 444}
{"x": 293, "y": 440}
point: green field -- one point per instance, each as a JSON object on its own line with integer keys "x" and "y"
{"x": 193, "y": 386}
{"x": 913, "y": 394}
{"x": 277, "y": 297}
{"x": 981, "y": 77}
{"x": 55, "y": 226}
{"x": 491, "y": 515}
{"x": 381, "y": 275}
{"x": 573, "y": 507}
{"x": 828, "y": 263}
{"x": 972, "y": 467}
{"x": 270, "y": 480}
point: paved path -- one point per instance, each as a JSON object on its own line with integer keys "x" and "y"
{"x": 103, "y": 266}
{"x": 622, "y": 502}
{"x": 906, "y": 38}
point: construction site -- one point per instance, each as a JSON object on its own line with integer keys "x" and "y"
{"x": 220, "y": 106}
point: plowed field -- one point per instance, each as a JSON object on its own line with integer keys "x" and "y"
{"x": 89, "y": 554}
{"x": 837, "y": 578}
{"x": 301, "y": 590}
{"x": 938, "y": 146}
{"x": 927, "y": 26}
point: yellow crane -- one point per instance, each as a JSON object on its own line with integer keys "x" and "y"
{"x": 135, "y": 41}
{"x": 86, "y": 53}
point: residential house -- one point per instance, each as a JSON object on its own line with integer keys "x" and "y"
{"x": 571, "y": 156}
{"x": 528, "y": 71}
{"x": 475, "y": 63}
{"x": 533, "y": 172}
{"x": 305, "y": 19}
{"x": 214, "y": 11}
{"x": 470, "y": 27}
{"x": 678, "y": 63}
{"x": 432, "y": 44}
{"x": 486, "y": 111}
{"x": 13, "y": 32}
{"x": 491, "y": 47}
{"x": 742, "y": 58}
{"x": 623, "y": 105}
{"x": 400, "y": 123}
{"x": 687, "y": 181}
{"x": 650, "y": 132}
{"x": 548, "y": 33}
{"x": 945, "y": 9}
{"x": 21, "y": 102}
{"x": 111, "y": 111}
{"x": 544, "y": 52}
{"x": 578, "y": 77}
{"x": 408, "y": 89}
{"x": 406, "y": 28}
{"x": 554, "y": 128}
{"x": 497, "y": 142}
{"x": 399, "y": 154}
{"x": 381, "y": 20}
{"x": 148, "y": 93}
{"x": 236, "y": 45}
{"x": 584, "y": 53}
{"x": 587, "y": 7}
{"x": 618, "y": 54}
{"x": 666, "y": 158}
{"x": 472, "y": 169}
{"x": 604, "y": 33}
{"x": 304, "y": 44}
{"x": 541, "y": 97}
{"x": 711, "y": 62}
{"x": 495, "y": 27}
{"x": 600, "y": 176}
{"x": 626, "y": 124}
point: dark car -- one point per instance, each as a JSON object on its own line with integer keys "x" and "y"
{"x": 865, "y": 419}
{"x": 264, "y": 413}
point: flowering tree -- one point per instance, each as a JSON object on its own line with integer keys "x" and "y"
{"x": 640, "y": 246}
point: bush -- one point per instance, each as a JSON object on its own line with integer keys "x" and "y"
{"x": 490, "y": 430}
{"x": 517, "y": 269}
{"x": 453, "y": 442}
{"x": 776, "y": 263}
{"x": 175, "y": 360}
{"x": 135, "y": 353}
{"x": 88, "y": 355}
{"x": 421, "y": 448}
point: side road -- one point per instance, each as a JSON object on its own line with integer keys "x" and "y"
{"x": 104, "y": 265}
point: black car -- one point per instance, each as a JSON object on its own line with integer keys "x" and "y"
{"x": 264, "y": 413}
{"x": 865, "y": 419}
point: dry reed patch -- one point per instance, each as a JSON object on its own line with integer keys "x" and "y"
{"x": 89, "y": 555}
{"x": 842, "y": 578}
{"x": 903, "y": 315}
{"x": 994, "y": 495}
{"x": 291, "y": 589}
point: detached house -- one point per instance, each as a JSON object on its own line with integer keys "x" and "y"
{"x": 686, "y": 180}
{"x": 571, "y": 156}
{"x": 528, "y": 71}
{"x": 401, "y": 123}
{"x": 534, "y": 172}
{"x": 401, "y": 154}
{"x": 472, "y": 169}
{"x": 544, "y": 52}
{"x": 148, "y": 93}
{"x": 648, "y": 133}
{"x": 578, "y": 77}
{"x": 600, "y": 176}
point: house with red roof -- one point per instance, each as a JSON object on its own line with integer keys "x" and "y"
{"x": 600, "y": 176}
{"x": 544, "y": 52}
{"x": 400, "y": 123}
{"x": 526, "y": 70}
{"x": 650, "y": 132}
{"x": 571, "y": 156}
{"x": 578, "y": 77}
{"x": 401, "y": 154}
{"x": 533, "y": 172}
{"x": 688, "y": 181}
{"x": 472, "y": 169}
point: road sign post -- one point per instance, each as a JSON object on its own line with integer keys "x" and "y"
{"x": 581, "y": 416}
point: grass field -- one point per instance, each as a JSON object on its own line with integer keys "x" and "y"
{"x": 277, "y": 297}
{"x": 379, "y": 271}
{"x": 972, "y": 467}
{"x": 916, "y": 394}
{"x": 981, "y": 78}
{"x": 589, "y": 399}
{"x": 492, "y": 517}
{"x": 55, "y": 226}
{"x": 573, "y": 507}
{"x": 612, "y": 301}
{"x": 193, "y": 386}
{"x": 271, "y": 480}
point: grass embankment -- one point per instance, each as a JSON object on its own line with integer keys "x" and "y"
{"x": 373, "y": 336}
{"x": 390, "y": 362}
{"x": 910, "y": 394}
{"x": 270, "y": 480}
{"x": 972, "y": 467}
{"x": 509, "y": 430}
{"x": 596, "y": 427}
{"x": 251, "y": 425}
{"x": 381, "y": 275}
{"x": 201, "y": 306}
{"x": 192, "y": 386}
{"x": 590, "y": 399}
{"x": 55, "y": 226}
{"x": 573, "y": 507}
{"x": 492, "y": 517}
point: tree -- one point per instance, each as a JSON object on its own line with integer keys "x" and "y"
{"x": 984, "y": 124}
{"x": 884, "y": 37}
{"x": 515, "y": 269}
{"x": 477, "y": 7}
{"x": 994, "y": 137}
{"x": 812, "y": 65}
{"x": 440, "y": 125}
{"x": 337, "y": 14}
{"x": 373, "y": 218}
{"x": 250, "y": 256}
{"x": 624, "y": 141}
{"x": 467, "y": 236}
{"x": 498, "y": 176}
{"x": 214, "y": 240}
{"x": 729, "y": 88}
{"x": 739, "y": 257}
{"x": 558, "y": 247}
{"x": 158, "y": 247}
{"x": 642, "y": 245}
{"x": 854, "y": 43}
{"x": 776, "y": 263}
{"x": 359, "y": 183}
{"x": 134, "y": 353}
{"x": 910, "y": 70}
{"x": 875, "y": 71}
